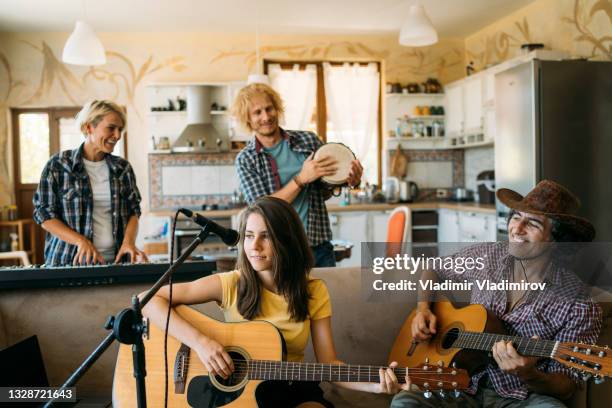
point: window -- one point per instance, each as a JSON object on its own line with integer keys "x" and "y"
{"x": 340, "y": 101}
{"x": 38, "y": 133}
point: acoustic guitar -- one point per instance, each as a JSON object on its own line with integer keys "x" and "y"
{"x": 257, "y": 349}
{"x": 464, "y": 334}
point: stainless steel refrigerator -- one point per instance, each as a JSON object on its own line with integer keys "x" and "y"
{"x": 554, "y": 121}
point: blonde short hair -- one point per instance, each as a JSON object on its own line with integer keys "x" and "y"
{"x": 242, "y": 103}
{"x": 94, "y": 111}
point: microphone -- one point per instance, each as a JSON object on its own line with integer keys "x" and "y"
{"x": 228, "y": 236}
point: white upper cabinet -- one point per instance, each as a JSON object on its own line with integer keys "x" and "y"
{"x": 454, "y": 110}
{"x": 473, "y": 105}
{"x": 466, "y": 113}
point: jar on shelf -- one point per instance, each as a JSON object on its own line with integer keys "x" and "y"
{"x": 12, "y": 212}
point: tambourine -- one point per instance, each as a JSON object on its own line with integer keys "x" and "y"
{"x": 344, "y": 156}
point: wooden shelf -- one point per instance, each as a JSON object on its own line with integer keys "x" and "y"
{"x": 425, "y": 117}
{"x": 167, "y": 113}
{"x": 417, "y": 95}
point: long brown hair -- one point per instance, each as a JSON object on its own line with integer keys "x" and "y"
{"x": 291, "y": 263}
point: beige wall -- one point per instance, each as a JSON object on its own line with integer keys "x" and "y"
{"x": 31, "y": 73}
{"x": 579, "y": 27}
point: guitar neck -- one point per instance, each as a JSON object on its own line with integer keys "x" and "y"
{"x": 297, "y": 371}
{"x": 524, "y": 346}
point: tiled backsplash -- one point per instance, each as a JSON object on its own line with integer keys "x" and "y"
{"x": 476, "y": 160}
{"x": 190, "y": 180}
{"x": 432, "y": 169}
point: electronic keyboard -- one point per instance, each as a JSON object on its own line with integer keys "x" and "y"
{"x": 41, "y": 276}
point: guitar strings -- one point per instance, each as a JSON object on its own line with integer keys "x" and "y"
{"x": 340, "y": 369}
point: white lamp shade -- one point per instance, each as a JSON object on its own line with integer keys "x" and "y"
{"x": 83, "y": 47}
{"x": 258, "y": 79}
{"x": 418, "y": 31}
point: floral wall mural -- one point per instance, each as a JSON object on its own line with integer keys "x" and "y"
{"x": 581, "y": 28}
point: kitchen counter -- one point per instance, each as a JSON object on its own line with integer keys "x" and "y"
{"x": 428, "y": 205}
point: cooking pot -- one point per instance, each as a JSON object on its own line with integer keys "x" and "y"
{"x": 462, "y": 194}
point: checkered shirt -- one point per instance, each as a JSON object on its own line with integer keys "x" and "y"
{"x": 563, "y": 311}
{"x": 64, "y": 193}
{"x": 259, "y": 177}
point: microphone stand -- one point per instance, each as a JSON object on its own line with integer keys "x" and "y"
{"x": 128, "y": 327}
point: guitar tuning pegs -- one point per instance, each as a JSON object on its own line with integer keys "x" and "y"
{"x": 586, "y": 376}
{"x": 587, "y": 351}
{"x": 426, "y": 393}
{"x": 442, "y": 394}
{"x": 426, "y": 360}
{"x": 598, "y": 379}
{"x": 440, "y": 363}
{"x": 602, "y": 353}
{"x": 455, "y": 393}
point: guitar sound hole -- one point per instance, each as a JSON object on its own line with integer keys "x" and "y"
{"x": 449, "y": 338}
{"x": 240, "y": 370}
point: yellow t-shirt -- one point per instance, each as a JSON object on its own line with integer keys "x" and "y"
{"x": 274, "y": 309}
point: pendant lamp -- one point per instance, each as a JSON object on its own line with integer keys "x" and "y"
{"x": 83, "y": 47}
{"x": 418, "y": 31}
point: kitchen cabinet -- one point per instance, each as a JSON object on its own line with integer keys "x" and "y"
{"x": 448, "y": 225}
{"x": 466, "y": 226}
{"x": 465, "y": 112}
{"x": 473, "y": 115}
{"x": 350, "y": 226}
{"x": 378, "y": 225}
{"x": 454, "y": 110}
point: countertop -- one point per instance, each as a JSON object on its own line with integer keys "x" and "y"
{"x": 433, "y": 205}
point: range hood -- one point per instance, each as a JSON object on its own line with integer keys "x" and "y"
{"x": 200, "y": 136}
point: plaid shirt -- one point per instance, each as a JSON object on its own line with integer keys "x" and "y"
{"x": 259, "y": 177}
{"x": 64, "y": 193}
{"x": 563, "y": 311}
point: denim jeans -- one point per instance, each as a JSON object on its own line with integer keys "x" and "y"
{"x": 324, "y": 255}
{"x": 485, "y": 397}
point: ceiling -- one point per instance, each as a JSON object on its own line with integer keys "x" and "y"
{"x": 452, "y": 18}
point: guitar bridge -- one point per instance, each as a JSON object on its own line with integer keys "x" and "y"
{"x": 181, "y": 365}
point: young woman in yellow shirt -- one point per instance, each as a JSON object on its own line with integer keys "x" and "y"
{"x": 271, "y": 283}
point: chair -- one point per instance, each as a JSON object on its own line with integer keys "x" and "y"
{"x": 20, "y": 255}
{"x": 399, "y": 230}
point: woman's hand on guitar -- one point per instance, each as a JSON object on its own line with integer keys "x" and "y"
{"x": 215, "y": 358}
{"x": 388, "y": 381}
{"x": 423, "y": 324}
{"x": 510, "y": 361}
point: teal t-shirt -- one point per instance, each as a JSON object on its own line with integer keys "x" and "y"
{"x": 289, "y": 164}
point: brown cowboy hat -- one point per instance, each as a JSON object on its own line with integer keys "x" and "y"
{"x": 553, "y": 200}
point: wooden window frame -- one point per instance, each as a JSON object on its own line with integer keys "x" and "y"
{"x": 321, "y": 103}
{"x": 54, "y": 114}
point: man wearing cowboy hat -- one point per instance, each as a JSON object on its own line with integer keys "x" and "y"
{"x": 563, "y": 311}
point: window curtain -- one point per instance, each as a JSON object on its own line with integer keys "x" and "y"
{"x": 298, "y": 89}
{"x": 352, "y": 97}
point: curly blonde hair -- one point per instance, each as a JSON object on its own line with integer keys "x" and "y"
{"x": 240, "y": 108}
{"x": 95, "y": 110}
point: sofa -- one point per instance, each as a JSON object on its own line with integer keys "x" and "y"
{"x": 69, "y": 324}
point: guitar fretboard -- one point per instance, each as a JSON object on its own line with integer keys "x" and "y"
{"x": 297, "y": 371}
{"x": 525, "y": 346}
